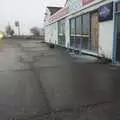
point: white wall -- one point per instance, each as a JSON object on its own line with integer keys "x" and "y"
{"x": 54, "y": 33}
{"x": 106, "y": 30}
{"x": 51, "y": 33}
{"x": 67, "y": 32}
{"x": 47, "y": 15}
{"x": 47, "y": 33}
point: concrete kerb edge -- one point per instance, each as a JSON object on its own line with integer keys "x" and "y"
{"x": 76, "y": 51}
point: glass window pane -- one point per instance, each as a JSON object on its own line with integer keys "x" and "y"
{"x": 61, "y": 32}
{"x": 85, "y": 30}
{"x": 72, "y": 26}
{"x": 118, "y": 6}
{"x": 61, "y": 27}
{"x": 86, "y": 23}
{"x": 84, "y": 42}
{"x": 72, "y": 32}
{"x": 78, "y": 26}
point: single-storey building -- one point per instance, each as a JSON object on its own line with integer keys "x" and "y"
{"x": 92, "y": 26}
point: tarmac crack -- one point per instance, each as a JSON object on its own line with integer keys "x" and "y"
{"x": 54, "y": 114}
{"x": 42, "y": 89}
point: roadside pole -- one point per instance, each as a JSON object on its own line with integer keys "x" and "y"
{"x": 1, "y": 39}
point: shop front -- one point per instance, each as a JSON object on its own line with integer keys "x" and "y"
{"x": 88, "y": 26}
{"x": 80, "y": 32}
{"x": 84, "y": 31}
{"x": 91, "y": 29}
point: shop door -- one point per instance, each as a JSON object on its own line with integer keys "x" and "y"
{"x": 117, "y": 25}
{"x": 94, "y": 31}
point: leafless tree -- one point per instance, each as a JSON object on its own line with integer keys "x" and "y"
{"x": 35, "y": 31}
{"x": 9, "y": 30}
{"x": 17, "y": 24}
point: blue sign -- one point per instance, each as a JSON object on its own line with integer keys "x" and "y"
{"x": 106, "y": 12}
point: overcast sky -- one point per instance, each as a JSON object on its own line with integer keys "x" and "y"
{"x": 29, "y": 12}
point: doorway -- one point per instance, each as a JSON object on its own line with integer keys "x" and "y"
{"x": 117, "y": 36}
{"x": 94, "y": 31}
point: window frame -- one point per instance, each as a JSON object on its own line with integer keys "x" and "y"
{"x": 81, "y": 35}
{"x": 72, "y": 41}
{"x": 61, "y": 32}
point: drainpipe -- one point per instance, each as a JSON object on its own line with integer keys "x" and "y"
{"x": 114, "y": 33}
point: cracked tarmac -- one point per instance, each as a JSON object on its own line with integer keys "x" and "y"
{"x": 39, "y": 83}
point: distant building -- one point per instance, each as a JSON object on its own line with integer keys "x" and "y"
{"x": 90, "y": 25}
{"x": 41, "y": 31}
{"x": 53, "y": 10}
{"x": 50, "y": 11}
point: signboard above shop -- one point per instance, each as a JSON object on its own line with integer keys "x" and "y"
{"x": 86, "y": 2}
{"x": 106, "y": 12}
{"x": 75, "y": 5}
{"x": 61, "y": 13}
{"x": 71, "y": 6}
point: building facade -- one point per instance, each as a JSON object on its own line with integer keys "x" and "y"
{"x": 89, "y": 25}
